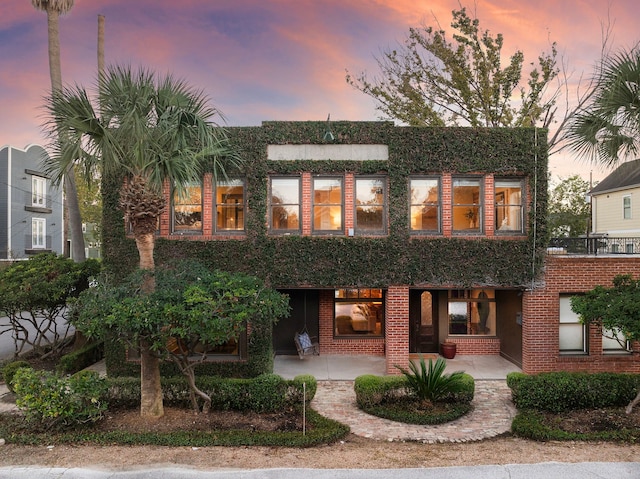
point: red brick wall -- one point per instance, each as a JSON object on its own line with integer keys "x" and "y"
{"x": 476, "y": 345}
{"x": 541, "y": 311}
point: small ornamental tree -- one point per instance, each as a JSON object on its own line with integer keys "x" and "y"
{"x": 33, "y": 300}
{"x": 191, "y": 311}
{"x": 614, "y": 309}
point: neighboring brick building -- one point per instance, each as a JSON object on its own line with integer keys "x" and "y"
{"x": 391, "y": 240}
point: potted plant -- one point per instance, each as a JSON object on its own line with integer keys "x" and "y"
{"x": 448, "y": 350}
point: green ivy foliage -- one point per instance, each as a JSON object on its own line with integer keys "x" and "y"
{"x": 373, "y": 262}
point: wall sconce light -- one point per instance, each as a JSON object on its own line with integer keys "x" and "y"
{"x": 328, "y": 135}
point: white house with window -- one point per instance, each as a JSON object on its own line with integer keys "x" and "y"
{"x": 615, "y": 203}
{"x": 31, "y": 209}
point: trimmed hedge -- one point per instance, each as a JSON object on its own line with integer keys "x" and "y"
{"x": 264, "y": 393}
{"x": 374, "y": 390}
{"x": 557, "y": 392}
{"x": 78, "y": 360}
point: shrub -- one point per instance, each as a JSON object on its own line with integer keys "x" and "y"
{"x": 563, "y": 391}
{"x": 373, "y": 390}
{"x": 265, "y": 393}
{"x": 51, "y": 401}
{"x": 431, "y": 383}
{"x": 80, "y": 359}
{"x": 9, "y": 371}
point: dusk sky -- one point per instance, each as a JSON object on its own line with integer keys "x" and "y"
{"x": 264, "y": 60}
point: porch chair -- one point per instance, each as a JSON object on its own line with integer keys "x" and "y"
{"x": 306, "y": 345}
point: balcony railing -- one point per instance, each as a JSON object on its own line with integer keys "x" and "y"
{"x": 594, "y": 245}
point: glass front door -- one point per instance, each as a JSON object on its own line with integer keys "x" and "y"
{"x": 423, "y": 324}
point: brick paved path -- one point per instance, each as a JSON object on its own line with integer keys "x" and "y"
{"x": 491, "y": 416}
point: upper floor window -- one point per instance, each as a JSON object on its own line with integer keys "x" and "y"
{"x": 38, "y": 191}
{"x": 284, "y": 205}
{"x": 425, "y": 204}
{"x": 230, "y": 205}
{"x": 467, "y": 205}
{"x": 187, "y": 209}
{"x": 359, "y": 312}
{"x": 626, "y": 207}
{"x": 572, "y": 334}
{"x": 508, "y": 206}
{"x": 370, "y": 205}
{"x": 327, "y": 205}
{"x": 38, "y": 233}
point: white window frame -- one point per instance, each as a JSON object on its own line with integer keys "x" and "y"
{"x": 612, "y": 346}
{"x": 38, "y": 233}
{"x": 38, "y": 191}
{"x": 626, "y": 207}
{"x": 572, "y": 334}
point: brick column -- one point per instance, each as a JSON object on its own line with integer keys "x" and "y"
{"x": 445, "y": 202}
{"x": 306, "y": 204}
{"x": 397, "y": 328}
{"x": 208, "y": 211}
{"x": 349, "y": 193}
{"x": 489, "y": 205}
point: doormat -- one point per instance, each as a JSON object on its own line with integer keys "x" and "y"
{"x": 426, "y": 356}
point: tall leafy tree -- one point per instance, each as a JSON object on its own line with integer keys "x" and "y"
{"x": 607, "y": 129}
{"x": 152, "y": 130}
{"x": 433, "y": 81}
{"x": 614, "y": 309}
{"x": 569, "y": 210}
{"x": 53, "y": 9}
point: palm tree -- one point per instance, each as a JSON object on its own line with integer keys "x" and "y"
{"x": 55, "y": 8}
{"x": 151, "y": 131}
{"x": 607, "y": 130}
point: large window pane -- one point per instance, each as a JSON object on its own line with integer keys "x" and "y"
{"x": 327, "y": 204}
{"x": 187, "y": 209}
{"x": 572, "y": 333}
{"x": 38, "y": 191}
{"x": 472, "y": 312}
{"x": 370, "y": 205}
{"x": 425, "y": 204}
{"x": 467, "y": 205}
{"x": 38, "y": 233}
{"x": 613, "y": 341}
{"x": 508, "y": 206}
{"x": 285, "y": 204}
{"x": 230, "y": 205}
{"x": 358, "y": 312}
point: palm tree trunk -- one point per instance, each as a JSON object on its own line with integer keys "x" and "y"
{"x": 73, "y": 209}
{"x": 150, "y": 385}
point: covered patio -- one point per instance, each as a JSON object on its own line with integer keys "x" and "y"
{"x": 336, "y": 367}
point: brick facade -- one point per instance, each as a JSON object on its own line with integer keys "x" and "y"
{"x": 540, "y": 328}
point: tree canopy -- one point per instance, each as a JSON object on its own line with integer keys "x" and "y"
{"x": 569, "y": 210}
{"x": 431, "y": 80}
{"x": 191, "y": 311}
{"x": 607, "y": 129}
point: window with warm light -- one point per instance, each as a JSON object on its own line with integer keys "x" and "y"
{"x": 327, "y": 205}
{"x": 230, "y": 205}
{"x": 472, "y": 312}
{"x": 508, "y": 206}
{"x": 370, "y": 205}
{"x": 359, "y": 312}
{"x": 284, "y": 205}
{"x": 425, "y": 204}
{"x": 187, "y": 209}
{"x": 467, "y": 205}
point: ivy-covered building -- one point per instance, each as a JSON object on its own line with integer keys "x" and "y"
{"x": 389, "y": 240}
